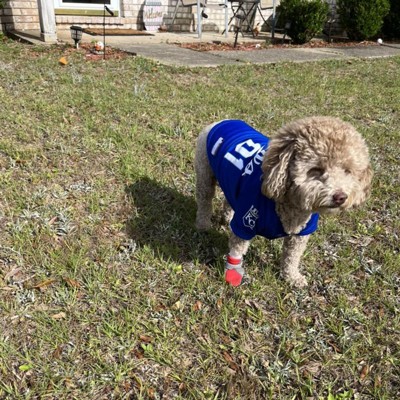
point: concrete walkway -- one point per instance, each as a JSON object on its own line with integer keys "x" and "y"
{"x": 164, "y": 47}
{"x": 175, "y": 55}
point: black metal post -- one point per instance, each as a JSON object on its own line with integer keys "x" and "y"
{"x": 104, "y": 30}
{"x": 104, "y": 26}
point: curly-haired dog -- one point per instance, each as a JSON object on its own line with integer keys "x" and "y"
{"x": 278, "y": 187}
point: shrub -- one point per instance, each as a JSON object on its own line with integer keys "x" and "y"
{"x": 362, "y": 19}
{"x": 306, "y": 17}
{"x": 391, "y": 23}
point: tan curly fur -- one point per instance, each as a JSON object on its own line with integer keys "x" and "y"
{"x": 316, "y": 164}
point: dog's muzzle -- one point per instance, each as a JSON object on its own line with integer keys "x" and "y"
{"x": 338, "y": 199}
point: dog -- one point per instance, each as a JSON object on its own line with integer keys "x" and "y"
{"x": 277, "y": 187}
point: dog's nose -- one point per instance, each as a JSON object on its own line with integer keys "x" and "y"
{"x": 339, "y": 198}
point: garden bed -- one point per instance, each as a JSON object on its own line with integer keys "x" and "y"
{"x": 262, "y": 45}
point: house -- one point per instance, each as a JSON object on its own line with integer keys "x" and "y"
{"x": 48, "y": 16}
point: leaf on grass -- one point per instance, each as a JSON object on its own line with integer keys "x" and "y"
{"x": 253, "y": 304}
{"x": 219, "y": 303}
{"x": 8, "y": 288}
{"x": 43, "y": 284}
{"x": 226, "y": 339}
{"x": 182, "y": 387}
{"x": 52, "y": 220}
{"x": 146, "y": 338}
{"x": 151, "y": 393}
{"x": 139, "y": 353}
{"x": 178, "y": 305}
{"x": 160, "y": 307}
{"x": 25, "y": 367}
{"x": 60, "y": 315}
{"x": 68, "y": 382}
{"x": 364, "y": 372}
{"x": 197, "y": 306}
{"x": 72, "y": 282}
{"x": 58, "y": 351}
{"x": 312, "y": 369}
{"x": 228, "y": 358}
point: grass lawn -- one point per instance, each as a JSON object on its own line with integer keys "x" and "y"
{"x": 106, "y": 289}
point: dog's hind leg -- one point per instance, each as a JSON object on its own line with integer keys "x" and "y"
{"x": 293, "y": 249}
{"x": 205, "y": 184}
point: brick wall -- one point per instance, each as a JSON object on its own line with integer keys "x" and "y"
{"x": 131, "y": 16}
{"x": 19, "y": 14}
{"x": 23, "y": 15}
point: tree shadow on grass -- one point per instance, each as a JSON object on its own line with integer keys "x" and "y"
{"x": 163, "y": 219}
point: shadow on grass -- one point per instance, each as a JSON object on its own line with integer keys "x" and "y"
{"x": 163, "y": 219}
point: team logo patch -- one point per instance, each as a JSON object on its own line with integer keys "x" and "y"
{"x": 250, "y": 218}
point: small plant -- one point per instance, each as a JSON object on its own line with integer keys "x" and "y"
{"x": 362, "y": 19}
{"x": 391, "y": 23}
{"x": 305, "y": 18}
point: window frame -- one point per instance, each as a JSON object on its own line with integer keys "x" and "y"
{"x": 114, "y": 5}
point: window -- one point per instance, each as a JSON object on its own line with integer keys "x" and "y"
{"x": 87, "y": 7}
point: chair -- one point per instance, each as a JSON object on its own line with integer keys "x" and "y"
{"x": 201, "y": 6}
{"x": 332, "y": 19}
{"x": 242, "y": 13}
{"x": 272, "y": 20}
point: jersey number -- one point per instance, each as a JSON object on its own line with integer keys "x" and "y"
{"x": 245, "y": 149}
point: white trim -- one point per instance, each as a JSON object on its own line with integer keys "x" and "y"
{"x": 114, "y": 5}
{"x": 47, "y": 21}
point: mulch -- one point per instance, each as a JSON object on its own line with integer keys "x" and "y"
{"x": 88, "y": 51}
{"x": 262, "y": 45}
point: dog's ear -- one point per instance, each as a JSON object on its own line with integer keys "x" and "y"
{"x": 365, "y": 180}
{"x": 276, "y": 166}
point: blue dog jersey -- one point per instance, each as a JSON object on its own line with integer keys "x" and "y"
{"x": 235, "y": 151}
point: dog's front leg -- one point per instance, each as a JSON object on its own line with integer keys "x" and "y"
{"x": 227, "y": 213}
{"x": 293, "y": 249}
{"x": 234, "y": 270}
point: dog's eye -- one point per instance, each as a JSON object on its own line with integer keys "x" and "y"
{"x": 347, "y": 171}
{"x": 316, "y": 172}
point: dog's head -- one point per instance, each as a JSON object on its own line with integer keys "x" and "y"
{"x": 320, "y": 164}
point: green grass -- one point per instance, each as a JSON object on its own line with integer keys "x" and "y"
{"x": 107, "y": 290}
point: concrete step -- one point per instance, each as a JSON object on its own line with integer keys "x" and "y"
{"x": 30, "y": 37}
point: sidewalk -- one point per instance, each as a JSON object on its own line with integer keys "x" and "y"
{"x": 163, "y": 47}
{"x": 174, "y": 55}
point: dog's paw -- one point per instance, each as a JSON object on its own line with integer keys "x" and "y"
{"x": 233, "y": 277}
{"x": 298, "y": 280}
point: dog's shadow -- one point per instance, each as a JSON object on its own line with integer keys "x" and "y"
{"x": 163, "y": 219}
